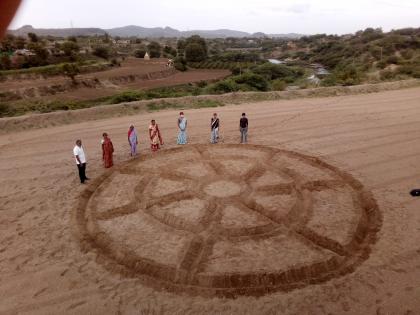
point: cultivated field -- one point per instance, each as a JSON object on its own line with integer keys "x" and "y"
{"x": 133, "y": 74}
{"x": 312, "y": 217}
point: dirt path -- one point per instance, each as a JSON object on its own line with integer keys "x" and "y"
{"x": 373, "y": 138}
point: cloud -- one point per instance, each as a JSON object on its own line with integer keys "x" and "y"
{"x": 299, "y": 8}
{"x": 295, "y": 8}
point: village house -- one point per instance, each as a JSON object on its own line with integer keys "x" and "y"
{"x": 23, "y": 52}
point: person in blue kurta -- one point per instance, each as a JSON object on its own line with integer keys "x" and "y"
{"x": 182, "y": 126}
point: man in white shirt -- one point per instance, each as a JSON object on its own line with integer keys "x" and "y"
{"x": 79, "y": 155}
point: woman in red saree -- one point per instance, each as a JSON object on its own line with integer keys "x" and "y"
{"x": 155, "y": 136}
{"x": 107, "y": 150}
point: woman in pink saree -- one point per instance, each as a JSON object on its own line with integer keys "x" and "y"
{"x": 155, "y": 136}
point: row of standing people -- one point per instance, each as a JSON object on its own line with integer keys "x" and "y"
{"x": 156, "y": 141}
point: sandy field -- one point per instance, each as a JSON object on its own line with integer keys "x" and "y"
{"x": 313, "y": 216}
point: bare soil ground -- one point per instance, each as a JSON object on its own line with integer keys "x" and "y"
{"x": 133, "y": 74}
{"x": 176, "y": 78}
{"x": 313, "y": 217}
{"x": 131, "y": 66}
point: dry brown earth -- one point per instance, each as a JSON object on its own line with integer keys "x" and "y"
{"x": 133, "y": 74}
{"x": 324, "y": 180}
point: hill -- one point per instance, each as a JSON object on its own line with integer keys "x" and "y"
{"x": 58, "y": 32}
{"x": 139, "y": 31}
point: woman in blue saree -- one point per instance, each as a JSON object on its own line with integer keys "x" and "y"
{"x": 182, "y": 126}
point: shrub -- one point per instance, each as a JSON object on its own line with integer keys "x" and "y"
{"x": 273, "y": 72}
{"x": 70, "y": 48}
{"x": 225, "y": 86}
{"x": 412, "y": 70}
{"x": 407, "y": 54}
{"x": 381, "y": 64}
{"x": 115, "y": 62}
{"x": 4, "y": 110}
{"x": 392, "y": 60}
{"x": 236, "y": 70}
{"x": 278, "y": 85}
{"x": 387, "y": 74}
{"x": 252, "y": 80}
{"x": 101, "y": 52}
{"x": 180, "y": 64}
{"x": 347, "y": 75}
{"x": 330, "y": 80}
{"x": 202, "y": 84}
{"x": 128, "y": 96}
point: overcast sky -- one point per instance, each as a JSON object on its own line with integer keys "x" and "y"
{"x": 269, "y": 16}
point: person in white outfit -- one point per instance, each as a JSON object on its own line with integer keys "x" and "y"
{"x": 80, "y": 157}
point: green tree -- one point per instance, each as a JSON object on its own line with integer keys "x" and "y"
{"x": 195, "y": 52}
{"x": 101, "y": 52}
{"x": 72, "y": 39}
{"x": 169, "y": 51}
{"x": 180, "y": 63}
{"x": 139, "y": 53}
{"x": 8, "y": 43}
{"x": 70, "y": 48}
{"x": 180, "y": 46}
{"x": 5, "y": 63}
{"x": 195, "y": 48}
{"x": 71, "y": 70}
{"x": 20, "y": 42}
{"x": 33, "y": 37}
{"x": 154, "y": 49}
{"x": 41, "y": 54}
{"x": 106, "y": 38}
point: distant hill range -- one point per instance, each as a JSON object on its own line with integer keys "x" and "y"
{"x": 138, "y": 31}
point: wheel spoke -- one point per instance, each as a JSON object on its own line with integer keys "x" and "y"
{"x": 113, "y": 213}
{"x": 252, "y": 205}
{"x": 321, "y": 241}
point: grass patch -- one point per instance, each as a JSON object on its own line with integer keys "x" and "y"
{"x": 21, "y": 107}
{"x": 197, "y": 103}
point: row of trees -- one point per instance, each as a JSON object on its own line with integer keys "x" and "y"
{"x": 40, "y": 52}
{"x": 193, "y": 49}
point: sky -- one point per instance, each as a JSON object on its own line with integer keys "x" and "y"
{"x": 268, "y": 16}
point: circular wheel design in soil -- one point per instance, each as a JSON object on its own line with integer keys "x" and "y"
{"x": 228, "y": 220}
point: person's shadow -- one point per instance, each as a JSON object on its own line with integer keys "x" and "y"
{"x": 415, "y": 193}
